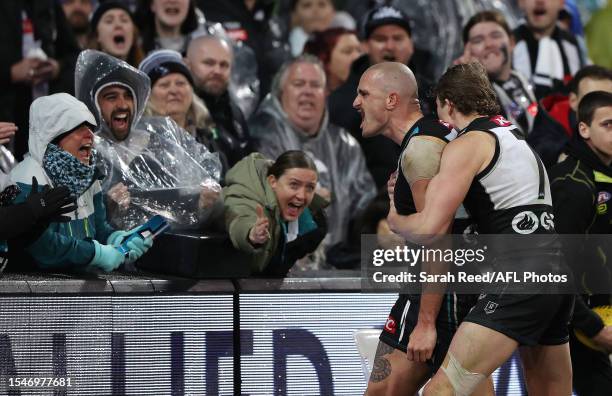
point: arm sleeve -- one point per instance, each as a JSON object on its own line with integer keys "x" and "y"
{"x": 16, "y": 221}
{"x": 103, "y": 228}
{"x": 54, "y": 249}
{"x": 240, "y": 216}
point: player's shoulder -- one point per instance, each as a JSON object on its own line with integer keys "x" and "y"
{"x": 431, "y": 126}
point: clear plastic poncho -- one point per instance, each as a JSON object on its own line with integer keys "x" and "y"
{"x": 163, "y": 167}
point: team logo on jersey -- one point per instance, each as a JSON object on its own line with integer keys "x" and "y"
{"x": 546, "y": 220}
{"x": 390, "y": 325}
{"x": 525, "y": 222}
{"x": 490, "y": 307}
{"x": 603, "y": 197}
{"x": 500, "y": 120}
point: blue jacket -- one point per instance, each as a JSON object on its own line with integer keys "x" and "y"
{"x": 65, "y": 245}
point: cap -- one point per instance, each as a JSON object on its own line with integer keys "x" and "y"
{"x": 385, "y": 15}
{"x": 160, "y": 63}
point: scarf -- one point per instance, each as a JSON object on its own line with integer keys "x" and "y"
{"x": 66, "y": 170}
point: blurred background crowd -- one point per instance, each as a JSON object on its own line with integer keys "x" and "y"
{"x": 180, "y": 94}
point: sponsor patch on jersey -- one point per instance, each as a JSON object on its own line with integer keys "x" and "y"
{"x": 602, "y": 209}
{"x": 500, "y": 120}
{"x": 546, "y": 220}
{"x": 390, "y": 325}
{"x": 603, "y": 197}
{"x": 525, "y": 222}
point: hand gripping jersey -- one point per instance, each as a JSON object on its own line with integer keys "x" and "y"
{"x": 512, "y": 194}
{"x": 429, "y": 127}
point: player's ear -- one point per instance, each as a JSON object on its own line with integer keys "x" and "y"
{"x": 392, "y": 100}
{"x": 449, "y": 105}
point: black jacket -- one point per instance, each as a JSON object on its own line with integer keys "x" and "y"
{"x": 233, "y": 137}
{"x": 381, "y": 154}
{"x": 581, "y": 188}
{"x": 58, "y": 42}
{"x": 553, "y": 126}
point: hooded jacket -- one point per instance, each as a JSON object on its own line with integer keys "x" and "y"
{"x": 337, "y": 155}
{"x": 62, "y": 245}
{"x": 247, "y": 187}
{"x": 581, "y": 188}
{"x": 161, "y": 164}
{"x": 553, "y": 127}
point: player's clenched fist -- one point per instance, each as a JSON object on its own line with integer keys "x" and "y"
{"x": 259, "y": 233}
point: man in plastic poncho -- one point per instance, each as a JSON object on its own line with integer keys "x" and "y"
{"x": 61, "y": 154}
{"x": 152, "y": 166}
{"x": 294, "y": 117}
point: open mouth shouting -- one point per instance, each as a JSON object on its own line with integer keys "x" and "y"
{"x": 120, "y": 121}
{"x": 84, "y": 154}
{"x": 119, "y": 39}
{"x": 293, "y": 210}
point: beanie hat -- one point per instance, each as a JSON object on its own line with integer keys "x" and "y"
{"x": 160, "y": 63}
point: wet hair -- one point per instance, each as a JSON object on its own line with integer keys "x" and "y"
{"x": 468, "y": 87}
{"x": 591, "y": 102}
{"x": 289, "y": 160}
{"x": 593, "y": 72}
{"x": 485, "y": 16}
{"x": 279, "y": 78}
{"x": 322, "y": 44}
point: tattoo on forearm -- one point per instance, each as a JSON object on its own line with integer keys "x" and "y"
{"x": 382, "y": 366}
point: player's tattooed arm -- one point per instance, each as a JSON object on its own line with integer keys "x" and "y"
{"x": 382, "y": 366}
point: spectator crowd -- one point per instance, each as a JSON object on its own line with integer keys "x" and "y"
{"x": 238, "y": 116}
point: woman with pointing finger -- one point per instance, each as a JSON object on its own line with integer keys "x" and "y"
{"x": 272, "y": 211}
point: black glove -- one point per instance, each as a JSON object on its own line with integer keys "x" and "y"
{"x": 50, "y": 204}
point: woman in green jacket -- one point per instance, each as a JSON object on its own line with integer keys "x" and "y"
{"x": 272, "y": 211}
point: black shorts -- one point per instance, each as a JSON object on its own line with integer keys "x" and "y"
{"x": 538, "y": 315}
{"x": 405, "y": 313}
{"x": 529, "y": 319}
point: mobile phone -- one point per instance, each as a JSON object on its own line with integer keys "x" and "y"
{"x": 152, "y": 228}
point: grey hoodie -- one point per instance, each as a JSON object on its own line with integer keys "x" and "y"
{"x": 337, "y": 155}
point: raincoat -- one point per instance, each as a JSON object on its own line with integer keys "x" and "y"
{"x": 337, "y": 155}
{"x": 162, "y": 165}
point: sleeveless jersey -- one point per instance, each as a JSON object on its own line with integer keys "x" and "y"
{"x": 425, "y": 126}
{"x": 512, "y": 194}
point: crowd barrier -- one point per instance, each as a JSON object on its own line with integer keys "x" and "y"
{"x": 147, "y": 335}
